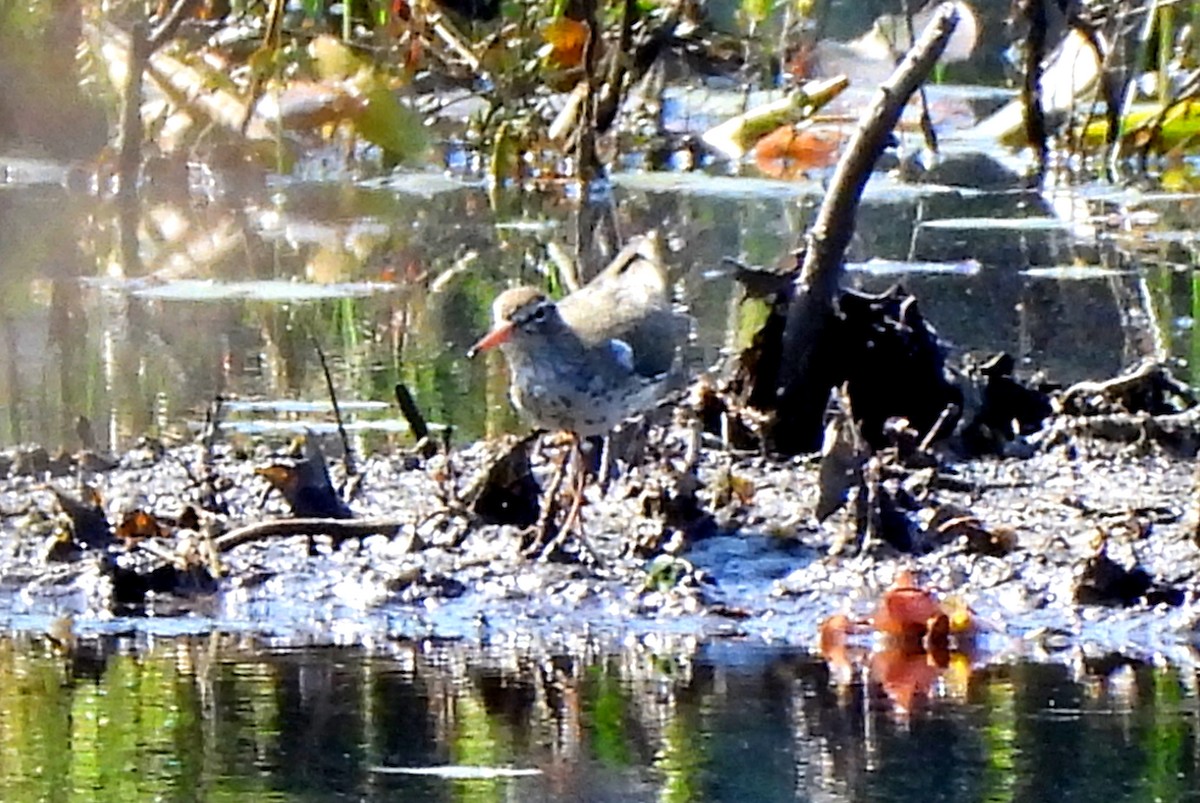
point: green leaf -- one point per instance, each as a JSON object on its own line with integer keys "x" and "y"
{"x": 391, "y": 125}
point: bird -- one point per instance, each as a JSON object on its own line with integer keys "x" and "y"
{"x": 602, "y": 354}
{"x": 598, "y": 356}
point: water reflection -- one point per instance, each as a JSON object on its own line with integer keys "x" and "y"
{"x": 229, "y": 296}
{"x": 223, "y": 717}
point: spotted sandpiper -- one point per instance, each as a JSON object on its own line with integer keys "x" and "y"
{"x": 602, "y": 354}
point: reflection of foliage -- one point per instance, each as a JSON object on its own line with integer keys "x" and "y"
{"x": 25, "y": 19}
{"x": 999, "y": 742}
{"x": 204, "y": 718}
{"x": 607, "y": 707}
{"x": 40, "y": 102}
{"x": 476, "y": 744}
{"x": 1166, "y": 740}
{"x": 137, "y": 733}
{"x": 682, "y": 760}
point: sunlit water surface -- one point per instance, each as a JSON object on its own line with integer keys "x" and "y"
{"x": 232, "y": 295}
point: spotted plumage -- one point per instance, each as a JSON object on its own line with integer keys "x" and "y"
{"x": 598, "y": 356}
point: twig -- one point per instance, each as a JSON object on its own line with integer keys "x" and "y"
{"x": 587, "y": 165}
{"x": 927, "y": 129}
{"x": 212, "y": 426}
{"x": 166, "y": 556}
{"x": 457, "y": 43}
{"x": 209, "y": 496}
{"x": 270, "y": 44}
{"x": 416, "y": 421}
{"x": 609, "y": 100}
{"x": 169, "y": 26}
{"x": 347, "y": 455}
{"x": 1034, "y": 12}
{"x": 129, "y": 150}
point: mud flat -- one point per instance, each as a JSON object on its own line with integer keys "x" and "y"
{"x": 1084, "y": 542}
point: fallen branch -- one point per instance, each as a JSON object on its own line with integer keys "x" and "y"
{"x": 337, "y": 529}
{"x": 1178, "y": 432}
{"x": 807, "y": 377}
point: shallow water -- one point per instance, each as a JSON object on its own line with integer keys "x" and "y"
{"x": 221, "y": 717}
{"x": 227, "y": 293}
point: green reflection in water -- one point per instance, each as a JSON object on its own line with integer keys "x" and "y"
{"x": 999, "y": 736}
{"x": 1193, "y": 365}
{"x": 212, "y": 718}
{"x": 682, "y": 759}
{"x": 475, "y": 744}
{"x": 1164, "y": 741}
{"x": 138, "y": 732}
{"x": 606, "y": 710}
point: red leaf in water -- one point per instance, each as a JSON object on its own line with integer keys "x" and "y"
{"x": 905, "y": 612}
{"x": 787, "y": 152}
{"x": 904, "y": 675}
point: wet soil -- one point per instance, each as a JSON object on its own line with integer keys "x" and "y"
{"x": 1076, "y": 518}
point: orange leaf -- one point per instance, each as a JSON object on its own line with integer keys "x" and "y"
{"x": 139, "y": 524}
{"x": 788, "y": 152}
{"x": 905, "y": 612}
{"x": 567, "y": 39}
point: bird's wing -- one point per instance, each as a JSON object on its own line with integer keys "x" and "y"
{"x": 627, "y": 301}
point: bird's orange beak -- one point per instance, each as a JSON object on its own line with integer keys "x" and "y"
{"x": 494, "y": 338}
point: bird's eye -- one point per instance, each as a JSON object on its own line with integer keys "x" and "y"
{"x": 539, "y": 314}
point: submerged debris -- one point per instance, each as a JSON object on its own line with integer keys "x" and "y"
{"x": 306, "y": 486}
{"x": 1104, "y": 581}
{"x": 508, "y": 493}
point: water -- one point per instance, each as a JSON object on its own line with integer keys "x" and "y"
{"x": 224, "y": 718}
{"x": 229, "y": 296}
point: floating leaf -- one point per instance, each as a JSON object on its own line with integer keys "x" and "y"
{"x": 736, "y": 136}
{"x": 790, "y": 151}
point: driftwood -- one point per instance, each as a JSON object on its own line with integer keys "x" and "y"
{"x": 807, "y": 377}
{"x": 337, "y": 529}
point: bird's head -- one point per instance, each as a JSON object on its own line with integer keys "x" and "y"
{"x": 519, "y": 315}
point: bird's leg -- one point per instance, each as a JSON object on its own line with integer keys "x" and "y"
{"x": 579, "y": 481}
{"x": 606, "y": 464}
{"x": 573, "y": 519}
{"x": 542, "y": 535}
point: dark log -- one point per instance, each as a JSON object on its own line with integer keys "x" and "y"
{"x": 807, "y": 378}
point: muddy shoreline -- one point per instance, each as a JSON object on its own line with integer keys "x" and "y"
{"x": 762, "y": 569}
